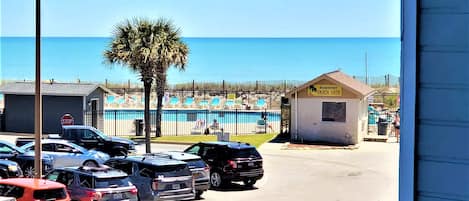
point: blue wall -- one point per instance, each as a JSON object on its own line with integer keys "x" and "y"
{"x": 19, "y": 112}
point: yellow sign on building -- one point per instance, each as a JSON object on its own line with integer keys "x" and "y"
{"x": 231, "y": 96}
{"x": 324, "y": 90}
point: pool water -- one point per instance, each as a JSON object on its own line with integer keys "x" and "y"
{"x": 194, "y": 115}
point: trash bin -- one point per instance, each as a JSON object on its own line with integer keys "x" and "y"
{"x": 138, "y": 127}
{"x": 382, "y": 128}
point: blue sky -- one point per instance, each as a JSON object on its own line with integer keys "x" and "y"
{"x": 210, "y": 18}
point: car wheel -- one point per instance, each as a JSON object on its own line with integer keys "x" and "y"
{"x": 216, "y": 180}
{"x": 249, "y": 182}
{"x": 90, "y": 163}
{"x": 29, "y": 172}
{"x": 198, "y": 194}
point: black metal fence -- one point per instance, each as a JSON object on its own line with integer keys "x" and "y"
{"x": 126, "y": 122}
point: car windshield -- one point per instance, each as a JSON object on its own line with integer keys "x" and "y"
{"x": 9, "y": 147}
{"x": 50, "y": 194}
{"x": 245, "y": 153}
{"x": 99, "y": 133}
{"x": 111, "y": 182}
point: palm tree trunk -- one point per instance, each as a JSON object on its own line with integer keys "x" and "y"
{"x": 161, "y": 79}
{"x": 147, "y": 88}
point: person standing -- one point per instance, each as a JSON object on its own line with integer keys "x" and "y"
{"x": 397, "y": 125}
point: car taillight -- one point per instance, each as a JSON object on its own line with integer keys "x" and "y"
{"x": 154, "y": 185}
{"x": 94, "y": 195}
{"x": 232, "y": 164}
{"x": 206, "y": 168}
{"x": 133, "y": 191}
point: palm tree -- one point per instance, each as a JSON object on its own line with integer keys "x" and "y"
{"x": 148, "y": 48}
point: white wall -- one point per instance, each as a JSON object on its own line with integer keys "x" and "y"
{"x": 312, "y": 128}
{"x": 362, "y": 124}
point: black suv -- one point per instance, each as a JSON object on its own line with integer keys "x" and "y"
{"x": 230, "y": 161}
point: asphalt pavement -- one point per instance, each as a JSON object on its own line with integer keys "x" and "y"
{"x": 369, "y": 173}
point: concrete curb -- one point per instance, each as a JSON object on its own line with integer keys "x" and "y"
{"x": 289, "y": 146}
{"x": 170, "y": 142}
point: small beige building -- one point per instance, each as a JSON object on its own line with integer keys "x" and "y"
{"x": 331, "y": 108}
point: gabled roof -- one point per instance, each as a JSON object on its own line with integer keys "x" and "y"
{"x": 54, "y": 89}
{"x": 342, "y": 79}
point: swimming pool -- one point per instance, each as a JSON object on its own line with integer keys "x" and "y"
{"x": 194, "y": 115}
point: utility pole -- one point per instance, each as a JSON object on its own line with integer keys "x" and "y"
{"x": 366, "y": 67}
{"x": 38, "y": 98}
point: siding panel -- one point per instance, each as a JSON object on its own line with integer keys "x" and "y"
{"x": 435, "y": 140}
{"x": 444, "y": 65}
{"x": 445, "y": 6}
{"x": 444, "y": 104}
{"x": 446, "y": 180}
{"x": 442, "y": 138}
{"x": 439, "y": 35}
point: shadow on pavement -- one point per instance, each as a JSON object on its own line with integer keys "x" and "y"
{"x": 280, "y": 138}
{"x": 234, "y": 187}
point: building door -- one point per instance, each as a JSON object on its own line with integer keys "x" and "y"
{"x": 94, "y": 113}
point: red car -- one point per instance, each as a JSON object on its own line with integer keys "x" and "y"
{"x": 30, "y": 189}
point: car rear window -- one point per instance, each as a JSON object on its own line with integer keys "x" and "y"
{"x": 164, "y": 170}
{"x": 11, "y": 191}
{"x": 245, "y": 153}
{"x": 111, "y": 182}
{"x": 50, "y": 194}
{"x": 199, "y": 163}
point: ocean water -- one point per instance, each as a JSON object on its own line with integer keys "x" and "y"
{"x": 67, "y": 59}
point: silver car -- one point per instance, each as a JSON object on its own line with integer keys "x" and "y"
{"x": 67, "y": 154}
{"x": 200, "y": 170}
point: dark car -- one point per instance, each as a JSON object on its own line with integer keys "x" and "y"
{"x": 230, "y": 161}
{"x": 157, "y": 178}
{"x": 90, "y": 138}
{"x": 9, "y": 169}
{"x": 25, "y": 159}
{"x": 200, "y": 170}
{"x": 95, "y": 183}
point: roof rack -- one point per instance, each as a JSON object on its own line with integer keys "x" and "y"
{"x": 159, "y": 155}
{"x": 94, "y": 169}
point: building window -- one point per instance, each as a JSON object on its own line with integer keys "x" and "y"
{"x": 333, "y": 111}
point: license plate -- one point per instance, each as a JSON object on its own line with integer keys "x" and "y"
{"x": 117, "y": 196}
{"x": 251, "y": 164}
{"x": 176, "y": 186}
{"x": 197, "y": 174}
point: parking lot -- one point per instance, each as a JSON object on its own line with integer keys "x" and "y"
{"x": 368, "y": 173}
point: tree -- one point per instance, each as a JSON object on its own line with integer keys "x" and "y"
{"x": 148, "y": 48}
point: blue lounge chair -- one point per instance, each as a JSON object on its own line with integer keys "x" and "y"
{"x": 261, "y": 126}
{"x": 215, "y": 102}
{"x": 189, "y": 102}
{"x": 174, "y": 101}
{"x": 261, "y": 103}
{"x": 110, "y": 99}
{"x": 229, "y": 103}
